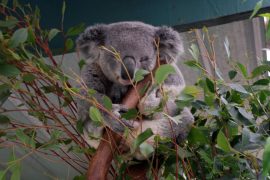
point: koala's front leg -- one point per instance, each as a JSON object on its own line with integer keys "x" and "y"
{"x": 177, "y": 128}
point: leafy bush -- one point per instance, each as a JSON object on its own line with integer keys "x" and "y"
{"x": 232, "y": 118}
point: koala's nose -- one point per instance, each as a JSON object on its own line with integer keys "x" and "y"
{"x": 128, "y": 67}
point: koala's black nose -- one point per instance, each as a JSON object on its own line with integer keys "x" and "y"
{"x": 128, "y": 67}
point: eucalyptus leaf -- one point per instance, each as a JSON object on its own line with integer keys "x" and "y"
{"x": 238, "y": 87}
{"x": 232, "y": 74}
{"x": 163, "y": 72}
{"x": 75, "y": 30}
{"x": 95, "y": 115}
{"x": 260, "y": 70}
{"x": 69, "y": 44}
{"x": 10, "y": 23}
{"x": 256, "y": 8}
{"x": 210, "y": 85}
{"x": 9, "y": 70}
{"x": 2, "y": 174}
{"x": 194, "y": 51}
{"x": 194, "y": 64}
{"x": 142, "y": 138}
{"x": 223, "y": 142}
{"x": 146, "y": 149}
{"x": 139, "y": 75}
{"x": 28, "y": 78}
{"x": 263, "y": 82}
{"x": 53, "y": 33}
{"x": 130, "y": 114}
{"x": 107, "y": 102}
{"x": 81, "y": 63}
{"x": 266, "y": 157}
{"x": 192, "y": 90}
{"x": 198, "y": 135}
{"x": 243, "y": 69}
{"x": 4, "y": 119}
{"x": 18, "y": 37}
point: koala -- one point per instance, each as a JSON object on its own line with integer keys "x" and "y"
{"x": 139, "y": 46}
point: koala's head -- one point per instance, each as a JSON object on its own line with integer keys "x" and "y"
{"x": 136, "y": 43}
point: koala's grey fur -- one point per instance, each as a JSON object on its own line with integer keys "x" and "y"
{"x": 135, "y": 41}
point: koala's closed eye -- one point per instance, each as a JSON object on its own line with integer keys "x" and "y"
{"x": 144, "y": 59}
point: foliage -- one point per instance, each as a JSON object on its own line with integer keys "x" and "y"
{"x": 231, "y": 117}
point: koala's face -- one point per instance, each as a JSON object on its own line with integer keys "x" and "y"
{"x": 136, "y": 44}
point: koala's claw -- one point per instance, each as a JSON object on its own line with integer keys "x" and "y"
{"x": 120, "y": 108}
{"x": 119, "y": 124}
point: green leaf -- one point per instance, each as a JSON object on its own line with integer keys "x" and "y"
{"x": 266, "y": 157}
{"x": 28, "y": 78}
{"x": 4, "y": 92}
{"x": 205, "y": 156}
{"x": 183, "y": 153}
{"x": 194, "y": 64}
{"x": 246, "y": 114}
{"x": 232, "y": 128}
{"x": 63, "y": 12}
{"x": 162, "y": 72}
{"x": 107, "y": 102}
{"x": 2, "y": 175}
{"x": 268, "y": 31}
{"x": 69, "y": 44}
{"x": 130, "y": 114}
{"x": 16, "y": 172}
{"x": 198, "y": 135}
{"x": 243, "y": 69}
{"x": 256, "y": 8}
{"x": 95, "y": 115}
{"x": 25, "y": 139}
{"x": 10, "y": 23}
{"x": 192, "y": 90}
{"x": 53, "y": 33}
{"x": 18, "y": 37}
{"x": 75, "y": 30}
{"x": 55, "y": 134}
{"x": 14, "y": 55}
{"x": 91, "y": 92}
{"x": 263, "y": 82}
{"x": 141, "y": 138}
{"x": 260, "y": 70}
{"x": 81, "y": 63}
{"x": 267, "y": 15}
{"x": 238, "y": 87}
{"x": 146, "y": 149}
{"x": 1, "y": 35}
{"x": 31, "y": 35}
{"x": 194, "y": 51}
{"x": 80, "y": 177}
{"x": 210, "y": 85}
{"x": 4, "y": 119}
{"x": 170, "y": 177}
{"x": 139, "y": 75}
{"x": 79, "y": 126}
{"x": 9, "y": 70}
{"x": 223, "y": 142}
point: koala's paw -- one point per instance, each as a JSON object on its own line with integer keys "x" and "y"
{"x": 115, "y": 122}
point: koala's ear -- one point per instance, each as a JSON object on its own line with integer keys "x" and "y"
{"x": 90, "y": 40}
{"x": 170, "y": 44}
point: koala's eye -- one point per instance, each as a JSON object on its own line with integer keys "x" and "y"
{"x": 144, "y": 59}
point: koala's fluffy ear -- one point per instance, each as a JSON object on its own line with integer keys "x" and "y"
{"x": 170, "y": 44}
{"x": 89, "y": 42}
